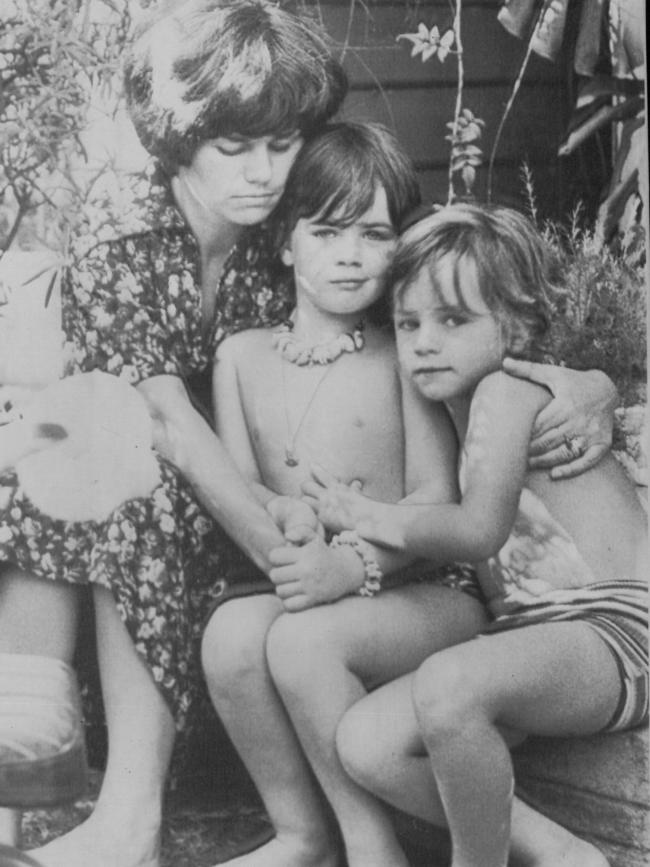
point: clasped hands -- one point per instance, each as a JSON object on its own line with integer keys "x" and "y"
{"x": 306, "y": 571}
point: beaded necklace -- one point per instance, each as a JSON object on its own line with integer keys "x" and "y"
{"x": 299, "y": 352}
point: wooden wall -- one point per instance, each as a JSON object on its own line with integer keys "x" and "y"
{"x": 417, "y": 99}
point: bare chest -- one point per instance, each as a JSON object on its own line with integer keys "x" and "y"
{"x": 345, "y": 417}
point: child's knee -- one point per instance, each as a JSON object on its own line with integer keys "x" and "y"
{"x": 443, "y": 694}
{"x": 232, "y": 646}
{"x": 359, "y": 752}
{"x": 298, "y": 645}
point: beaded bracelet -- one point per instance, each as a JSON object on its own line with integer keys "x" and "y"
{"x": 374, "y": 576}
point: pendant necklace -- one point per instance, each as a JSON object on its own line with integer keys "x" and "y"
{"x": 290, "y": 458}
{"x": 299, "y": 352}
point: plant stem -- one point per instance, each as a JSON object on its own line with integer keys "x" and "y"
{"x": 459, "y": 95}
{"x": 513, "y": 95}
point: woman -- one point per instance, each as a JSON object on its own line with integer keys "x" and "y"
{"x": 222, "y": 95}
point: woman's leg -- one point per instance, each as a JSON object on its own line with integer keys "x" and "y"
{"x": 238, "y": 679}
{"x": 384, "y": 752}
{"x": 29, "y": 607}
{"x": 324, "y": 660}
{"x": 124, "y": 828}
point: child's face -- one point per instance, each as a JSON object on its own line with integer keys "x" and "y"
{"x": 445, "y": 348}
{"x": 340, "y": 269}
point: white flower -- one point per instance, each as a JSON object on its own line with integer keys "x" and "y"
{"x": 429, "y": 42}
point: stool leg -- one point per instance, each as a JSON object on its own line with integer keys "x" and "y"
{"x": 10, "y": 827}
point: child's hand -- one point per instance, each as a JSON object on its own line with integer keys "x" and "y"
{"x": 296, "y": 520}
{"x": 314, "y": 574}
{"x": 337, "y": 505}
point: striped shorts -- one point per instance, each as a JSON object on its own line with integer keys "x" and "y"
{"x": 618, "y": 612}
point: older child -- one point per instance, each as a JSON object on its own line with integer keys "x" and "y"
{"x": 325, "y": 387}
{"x": 564, "y": 563}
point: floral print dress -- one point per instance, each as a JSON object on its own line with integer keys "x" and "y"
{"x": 132, "y": 307}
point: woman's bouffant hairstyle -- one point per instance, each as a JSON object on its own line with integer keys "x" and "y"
{"x": 210, "y": 68}
{"x": 516, "y": 270}
{"x": 336, "y": 175}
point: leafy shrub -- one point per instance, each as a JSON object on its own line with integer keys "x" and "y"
{"x": 600, "y": 320}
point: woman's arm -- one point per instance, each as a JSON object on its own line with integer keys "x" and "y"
{"x": 184, "y": 438}
{"x": 574, "y": 431}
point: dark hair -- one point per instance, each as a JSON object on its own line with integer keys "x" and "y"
{"x": 516, "y": 269}
{"x": 211, "y": 68}
{"x": 335, "y": 177}
{"x": 337, "y": 174}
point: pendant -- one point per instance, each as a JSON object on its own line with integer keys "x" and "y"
{"x": 289, "y": 458}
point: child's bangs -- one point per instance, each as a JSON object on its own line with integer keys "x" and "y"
{"x": 349, "y": 202}
{"x": 339, "y": 194}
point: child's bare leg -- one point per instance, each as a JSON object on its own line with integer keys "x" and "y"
{"x": 124, "y": 828}
{"x": 29, "y": 607}
{"x": 236, "y": 671}
{"x": 380, "y": 746}
{"x": 513, "y": 678}
{"x": 323, "y": 661}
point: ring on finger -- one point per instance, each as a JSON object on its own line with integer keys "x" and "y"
{"x": 575, "y": 446}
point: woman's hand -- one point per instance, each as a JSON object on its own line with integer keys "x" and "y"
{"x": 574, "y": 431}
{"x": 296, "y": 520}
{"x": 314, "y": 574}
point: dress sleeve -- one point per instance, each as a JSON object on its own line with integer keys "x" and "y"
{"x": 120, "y": 315}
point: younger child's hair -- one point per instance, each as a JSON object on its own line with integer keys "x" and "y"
{"x": 337, "y": 173}
{"x": 201, "y": 69}
{"x": 516, "y": 269}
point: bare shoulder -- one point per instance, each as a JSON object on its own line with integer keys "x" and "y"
{"x": 505, "y": 390}
{"x": 245, "y": 345}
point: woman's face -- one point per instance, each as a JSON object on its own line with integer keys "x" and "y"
{"x": 240, "y": 179}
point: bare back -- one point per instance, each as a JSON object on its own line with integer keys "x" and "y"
{"x": 602, "y": 513}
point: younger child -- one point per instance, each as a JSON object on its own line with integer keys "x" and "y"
{"x": 564, "y": 563}
{"x": 325, "y": 388}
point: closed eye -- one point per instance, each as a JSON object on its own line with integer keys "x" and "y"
{"x": 282, "y": 145}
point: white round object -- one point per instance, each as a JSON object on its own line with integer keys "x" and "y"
{"x": 105, "y": 457}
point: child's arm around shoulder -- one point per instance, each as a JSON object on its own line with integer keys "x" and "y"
{"x": 494, "y": 465}
{"x": 495, "y": 447}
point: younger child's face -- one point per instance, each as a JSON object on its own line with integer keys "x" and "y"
{"x": 446, "y": 347}
{"x": 340, "y": 269}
